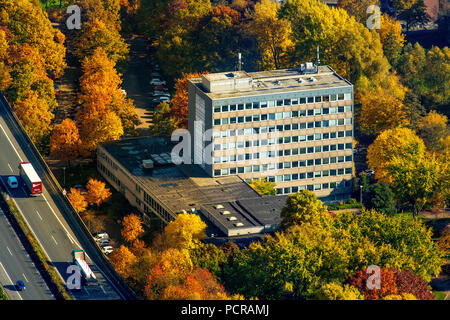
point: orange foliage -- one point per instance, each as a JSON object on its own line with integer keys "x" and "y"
{"x": 97, "y": 192}
{"x": 77, "y": 200}
{"x": 122, "y": 259}
{"x": 65, "y": 141}
{"x": 132, "y": 228}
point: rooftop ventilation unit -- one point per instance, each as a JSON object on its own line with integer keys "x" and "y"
{"x": 225, "y": 212}
{"x": 307, "y": 68}
{"x": 147, "y": 164}
{"x": 232, "y": 219}
{"x": 239, "y": 224}
{"x": 300, "y": 80}
{"x": 312, "y": 79}
{"x": 219, "y": 206}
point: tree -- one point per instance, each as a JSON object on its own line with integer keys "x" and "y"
{"x": 380, "y": 197}
{"x": 77, "y": 200}
{"x": 433, "y": 130}
{"x": 336, "y": 291}
{"x": 417, "y": 179}
{"x": 302, "y": 208}
{"x": 179, "y": 102}
{"x": 272, "y": 34}
{"x": 131, "y": 228}
{"x": 34, "y": 115}
{"x": 264, "y": 187}
{"x": 346, "y": 45}
{"x": 388, "y": 285}
{"x": 356, "y": 8}
{"x": 209, "y": 256}
{"x": 416, "y": 15}
{"x": 123, "y": 259}
{"x": 65, "y": 141}
{"x": 399, "y": 142}
{"x": 163, "y": 123}
{"x": 409, "y": 283}
{"x": 444, "y": 241}
{"x": 185, "y": 231}
{"x": 97, "y": 192}
{"x": 382, "y": 109}
{"x": 391, "y": 37}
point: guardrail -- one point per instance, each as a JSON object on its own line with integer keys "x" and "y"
{"x": 74, "y": 220}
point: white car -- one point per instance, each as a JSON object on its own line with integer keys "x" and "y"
{"x": 161, "y": 99}
{"x": 161, "y": 93}
{"x": 157, "y": 82}
{"x": 108, "y": 249}
{"x": 101, "y": 236}
{"x": 12, "y": 182}
{"x": 104, "y": 243}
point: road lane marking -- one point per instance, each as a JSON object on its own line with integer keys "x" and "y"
{"x": 6, "y": 135}
{"x": 25, "y": 277}
{"x": 38, "y": 215}
{"x": 12, "y": 283}
{"x": 9, "y": 251}
{"x": 10, "y": 167}
{"x": 54, "y": 240}
{"x": 54, "y": 213}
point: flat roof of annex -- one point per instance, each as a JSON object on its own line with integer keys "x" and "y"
{"x": 237, "y": 84}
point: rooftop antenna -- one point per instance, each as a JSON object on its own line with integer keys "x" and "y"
{"x": 318, "y": 58}
{"x": 239, "y": 66}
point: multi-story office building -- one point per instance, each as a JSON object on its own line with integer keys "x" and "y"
{"x": 293, "y": 127}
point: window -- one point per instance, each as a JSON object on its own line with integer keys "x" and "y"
{"x": 311, "y": 112}
{"x": 225, "y": 121}
{"x": 217, "y": 122}
{"x": 241, "y": 106}
{"x": 294, "y": 101}
{"x": 255, "y": 105}
{"x": 279, "y": 103}
{"x": 333, "y": 97}
{"x": 217, "y": 109}
{"x": 232, "y": 107}
{"x": 240, "y": 119}
{"x": 287, "y": 102}
{"x": 340, "y": 96}
{"x": 256, "y": 117}
{"x": 310, "y": 100}
{"x": 224, "y": 108}
{"x": 302, "y": 100}
{"x": 248, "y": 119}
{"x": 248, "y": 106}
{"x": 318, "y": 99}
{"x": 325, "y": 98}
{"x": 263, "y": 104}
{"x": 325, "y": 110}
{"x": 233, "y": 120}
{"x": 264, "y": 117}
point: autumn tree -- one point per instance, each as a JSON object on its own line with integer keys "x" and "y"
{"x": 410, "y": 283}
{"x": 415, "y": 15}
{"x": 302, "y": 207}
{"x": 264, "y": 187}
{"x": 132, "y": 228}
{"x": 34, "y": 115}
{"x": 418, "y": 179}
{"x": 382, "y": 108}
{"x": 97, "y": 192}
{"x": 162, "y": 122}
{"x": 391, "y": 37}
{"x": 336, "y": 291}
{"x": 346, "y": 45}
{"x": 179, "y": 102}
{"x": 433, "y": 129}
{"x": 185, "y": 231}
{"x": 388, "y": 285}
{"x": 398, "y": 141}
{"x": 357, "y": 8}
{"x": 273, "y": 34}
{"x": 77, "y": 200}
{"x": 65, "y": 141}
{"x": 122, "y": 259}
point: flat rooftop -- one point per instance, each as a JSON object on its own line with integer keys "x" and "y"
{"x": 240, "y": 83}
{"x": 182, "y": 187}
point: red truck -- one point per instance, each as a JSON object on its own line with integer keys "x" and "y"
{"x": 31, "y": 178}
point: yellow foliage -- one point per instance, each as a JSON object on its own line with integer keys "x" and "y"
{"x": 185, "y": 230}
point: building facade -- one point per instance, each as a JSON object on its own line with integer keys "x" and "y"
{"x": 293, "y": 127}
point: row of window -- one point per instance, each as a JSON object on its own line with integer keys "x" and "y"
{"x": 285, "y": 177}
{"x": 314, "y": 187}
{"x": 282, "y": 102}
{"x": 280, "y": 116}
{"x": 271, "y": 129}
{"x": 291, "y": 139}
{"x": 283, "y": 165}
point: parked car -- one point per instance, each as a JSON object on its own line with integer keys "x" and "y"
{"x": 104, "y": 242}
{"x": 80, "y": 188}
{"x": 156, "y": 81}
{"x": 124, "y": 92}
{"x": 160, "y": 88}
{"x": 108, "y": 249}
{"x": 161, "y": 93}
{"x": 156, "y": 75}
{"x": 161, "y": 99}
{"x": 101, "y": 236}
{"x": 12, "y": 182}
{"x": 20, "y": 285}
{"x": 57, "y": 88}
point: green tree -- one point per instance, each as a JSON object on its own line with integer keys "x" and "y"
{"x": 302, "y": 207}
{"x": 380, "y": 197}
{"x": 416, "y": 15}
{"x": 264, "y": 187}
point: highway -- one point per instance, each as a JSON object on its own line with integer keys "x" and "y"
{"x": 43, "y": 215}
{"x": 16, "y": 264}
